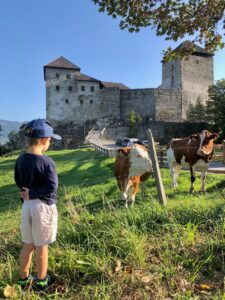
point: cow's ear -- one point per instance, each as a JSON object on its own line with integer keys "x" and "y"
{"x": 214, "y": 136}
{"x": 194, "y": 136}
{"x": 124, "y": 151}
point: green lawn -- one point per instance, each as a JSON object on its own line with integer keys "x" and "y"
{"x": 105, "y": 251}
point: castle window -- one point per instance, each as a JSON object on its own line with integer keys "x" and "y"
{"x": 70, "y": 88}
{"x": 57, "y": 75}
{"x": 91, "y": 101}
{"x": 82, "y": 88}
{"x": 172, "y": 68}
{"x": 67, "y": 76}
{"x": 81, "y": 101}
{"x": 172, "y": 82}
{"x": 57, "y": 88}
{"x": 92, "y": 88}
{"x": 197, "y": 61}
{"x": 66, "y": 101}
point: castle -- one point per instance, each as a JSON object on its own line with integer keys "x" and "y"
{"x": 73, "y": 97}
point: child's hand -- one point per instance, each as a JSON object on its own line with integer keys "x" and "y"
{"x": 25, "y": 193}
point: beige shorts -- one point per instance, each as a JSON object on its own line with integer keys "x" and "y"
{"x": 38, "y": 222}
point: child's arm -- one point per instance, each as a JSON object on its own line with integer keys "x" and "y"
{"x": 17, "y": 177}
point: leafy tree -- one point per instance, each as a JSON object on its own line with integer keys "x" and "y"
{"x": 216, "y": 105}
{"x": 134, "y": 121}
{"x": 173, "y": 19}
{"x": 197, "y": 112}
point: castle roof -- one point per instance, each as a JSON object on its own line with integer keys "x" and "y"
{"x": 121, "y": 86}
{"x": 83, "y": 77}
{"x": 197, "y": 50}
{"x": 61, "y": 63}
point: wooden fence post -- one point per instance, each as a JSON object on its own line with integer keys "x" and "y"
{"x": 156, "y": 170}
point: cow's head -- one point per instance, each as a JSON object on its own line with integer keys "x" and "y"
{"x": 139, "y": 160}
{"x": 205, "y": 139}
{"x": 124, "y": 151}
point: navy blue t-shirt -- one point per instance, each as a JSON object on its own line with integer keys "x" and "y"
{"x": 38, "y": 174}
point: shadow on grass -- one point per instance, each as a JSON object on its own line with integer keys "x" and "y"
{"x": 9, "y": 198}
{"x": 216, "y": 187}
{"x": 7, "y": 166}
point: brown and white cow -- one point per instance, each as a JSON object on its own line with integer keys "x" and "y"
{"x": 132, "y": 167}
{"x": 196, "y": 151}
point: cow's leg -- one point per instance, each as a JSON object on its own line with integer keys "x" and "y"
{"x": 128, "y": 191}
{"x": 177, "y": 169}
{"x": 192, "y": 170}
{"x": 135, "y": 190}
{"x": 203, "y": 176}
{"x": 174, "y": 172}
{"x": 122, "y": 183}
{"x": 142, "y": 186}
{"x": 174, "y": 167}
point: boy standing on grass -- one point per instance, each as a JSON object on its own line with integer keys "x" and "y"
{"x": 35, "y": 175}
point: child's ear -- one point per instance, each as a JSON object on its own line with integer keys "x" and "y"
{"x": 44, "y": 141}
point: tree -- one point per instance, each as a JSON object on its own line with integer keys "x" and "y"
{"x": 216, "y": 105}
{"x": 134, "y": 121}
{"x": 173, "y": 19}
{"x": 197, "y": 112}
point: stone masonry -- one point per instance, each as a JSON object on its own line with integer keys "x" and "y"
{"x": 73, "y": 97}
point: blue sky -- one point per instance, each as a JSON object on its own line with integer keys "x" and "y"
{"x": 33, "y": 33}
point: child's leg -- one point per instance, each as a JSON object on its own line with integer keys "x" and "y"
{"x": 25, "y": 259}
{"x": 42, "y": 261}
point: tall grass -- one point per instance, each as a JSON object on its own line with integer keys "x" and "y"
{"x": 105, "y": 251}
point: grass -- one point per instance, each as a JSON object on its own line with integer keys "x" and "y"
{"x": 105, "y": 251}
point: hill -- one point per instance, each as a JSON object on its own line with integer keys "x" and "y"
{"x": 104, "y": 251}
{"x": 7, "y": 127}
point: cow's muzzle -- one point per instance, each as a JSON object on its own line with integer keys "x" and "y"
{"x": 202, "y": 152}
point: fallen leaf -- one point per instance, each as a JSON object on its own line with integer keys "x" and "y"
{"x": 146, "y": 279}
{"x": 118, "y": 266}
{"x": 10, "y": 291}
{"x": 128, "y": 270}
{"x": 203, "y": 286}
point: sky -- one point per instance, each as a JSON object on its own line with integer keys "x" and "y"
{"x": 34, "y": 33}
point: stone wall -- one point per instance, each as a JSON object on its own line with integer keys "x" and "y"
{"x": 141, "y": 101}
{"x": 168, "y": 105}
{"x": 162, "y": 132}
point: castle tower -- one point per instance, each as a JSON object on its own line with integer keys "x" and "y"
{"x": 70, "y": 95}
{"x": 191, "y": 76}
{"x": 73, "y": 97}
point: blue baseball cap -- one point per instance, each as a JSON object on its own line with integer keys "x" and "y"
{"x": 40, "y": 128}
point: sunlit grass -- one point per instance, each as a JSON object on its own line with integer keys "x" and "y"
{"x": 175, "y": 252}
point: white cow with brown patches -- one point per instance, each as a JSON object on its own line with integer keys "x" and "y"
{"x": 132, "y": 167}
{"x": 196, "y": 151}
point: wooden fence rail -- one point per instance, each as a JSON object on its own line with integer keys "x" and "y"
{"x": 161, "y": 152}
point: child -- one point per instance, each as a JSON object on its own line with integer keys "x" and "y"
{"x": 35, "y": 175}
